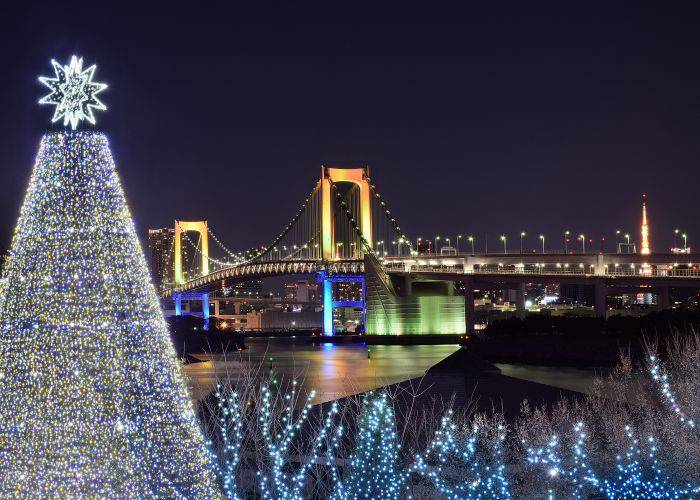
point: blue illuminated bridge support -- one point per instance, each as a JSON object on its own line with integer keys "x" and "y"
{"x": 190, "y": 296}
{"x": 329, "y": 304}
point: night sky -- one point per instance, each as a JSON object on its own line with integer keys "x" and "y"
{"x": 479, "y": 120}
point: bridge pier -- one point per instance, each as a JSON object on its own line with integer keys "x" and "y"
{"x": 601, "y": 292}
{"x": 469, "y": 305}
{"x": 328, "y": 325}
{"x": 205, "y": 309}
{"x": 201, "y": 296}
{"x": 178, "y": 304}
{"x": 329, "y": 304}
{"x": 520, "y": 310}
{"x": 664, "y": 298}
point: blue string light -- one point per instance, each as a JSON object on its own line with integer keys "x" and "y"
{"x": 455, "y": 468}
{"x": 637, "y": 474}
{"x": 374, "y": 470}
{"x": 660, "y": 377}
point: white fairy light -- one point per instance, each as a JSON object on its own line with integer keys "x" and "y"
{"x": 73, "y": 92}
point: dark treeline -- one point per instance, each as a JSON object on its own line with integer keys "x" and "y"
{"x": 576, "y": 341}
{"x": 647, "y": 325}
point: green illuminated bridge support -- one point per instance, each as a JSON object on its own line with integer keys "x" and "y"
{"x": 395, "y": 305}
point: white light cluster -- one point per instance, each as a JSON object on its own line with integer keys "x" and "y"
{"x": 375, "y": 471}
{"x": 93, "y": 402}
{"x": 638, "y": 473}
{"x": 73, "y": 92}
{"x": 457, "y": 469}
{"x": 286, "y": 483}
{"x": 660, "y": 378}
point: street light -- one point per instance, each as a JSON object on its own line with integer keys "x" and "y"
{"x": 437, "y": 239}
{"x": 522, "y": 235}
{"x": 503, "y": 239}
{"x": 566, "y": 242}
{"x": 542, "y": 238}
{"x": 583, "y": 243}
{"x": 685, "y": 241}
{"x": 628, "y": 242}
{"x": 617, "y": 241}
{"x": 471, "y": 240}
{"x": 675, "y": 238}
{"x": 459, "y": 237}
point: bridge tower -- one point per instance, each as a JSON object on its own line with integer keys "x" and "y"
{"x": 646, "y": 249}
{"x": 199, "y": 227}
{"x": 330, "y": 176}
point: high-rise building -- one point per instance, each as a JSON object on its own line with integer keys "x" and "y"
{"x": 646, "y": 249}
{"x": 250, "y": 288}
{"x": 160, "y": 256}
{"x": 350, "y": 292}
{"x": 301, "y": 291}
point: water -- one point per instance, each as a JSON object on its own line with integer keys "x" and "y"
{"x": 339, "y": 370}
{"x": 333, "y": 370}
{"x": 563, "y": 377}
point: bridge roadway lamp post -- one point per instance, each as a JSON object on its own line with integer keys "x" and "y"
{"x": 471, "y": 240}
{"x": 437, "y": 241}
{"x": 566, "y": 242}
{"x": 617, "y": 241}
{"x": 675, "y": 238}
{"x": 583, "y": 243}
{"x": 627, "y": 236}
{"x": 503, "y": 239}
{"x": 542, "y": 238}
{"x": 522, "y": 235}
{"x": 685, "y": 241}
{"x": 459, "y": 237}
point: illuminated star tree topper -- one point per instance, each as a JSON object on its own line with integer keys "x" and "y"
{"x": 73, "y": 92}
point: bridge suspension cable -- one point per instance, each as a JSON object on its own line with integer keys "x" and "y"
{"x": 302, "y": 238}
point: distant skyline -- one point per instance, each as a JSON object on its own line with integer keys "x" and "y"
{"x": 473, "y": 120}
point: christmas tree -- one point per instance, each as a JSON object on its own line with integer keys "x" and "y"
{"x": 92, "y": 398}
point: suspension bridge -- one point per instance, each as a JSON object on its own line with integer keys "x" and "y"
{"x": 344, "y": 231}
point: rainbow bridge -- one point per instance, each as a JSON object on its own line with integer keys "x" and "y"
{"x": 344, "y": 231}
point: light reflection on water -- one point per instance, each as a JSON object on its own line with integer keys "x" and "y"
{"x": 333, "y": 370}
{"x": 339, "y": 370}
